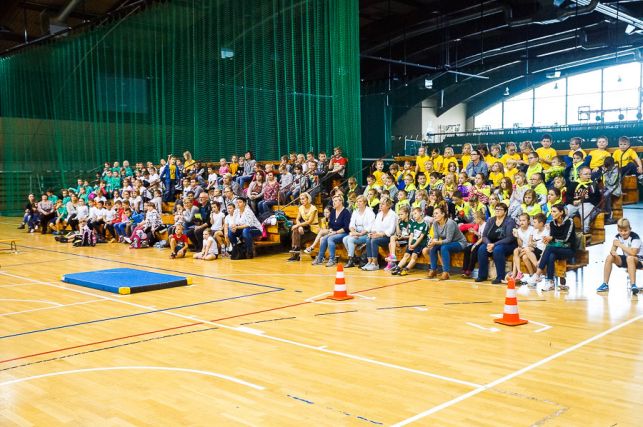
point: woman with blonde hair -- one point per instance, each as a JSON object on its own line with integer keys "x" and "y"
{"x": 306, "y": 225}
{"x": 189, "y": 164}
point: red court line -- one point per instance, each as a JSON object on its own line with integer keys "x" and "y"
{"x": 186, "y": 326}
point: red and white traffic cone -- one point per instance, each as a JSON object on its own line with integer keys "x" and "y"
{"x": 510, "y": 317}
{"x": 341, "y": 292}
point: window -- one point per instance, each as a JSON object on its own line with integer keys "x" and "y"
{"x": 550, "y": 103}
{"x": 518, "y": 111}
{"x": 490, "y": 118}
{"x": 579, "y": 99}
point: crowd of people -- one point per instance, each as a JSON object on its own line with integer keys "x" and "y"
{"x": 487, "y": 203}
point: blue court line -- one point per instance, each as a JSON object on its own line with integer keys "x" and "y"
{"x": 154, "y": 268}
{"x": 71, "y": 325}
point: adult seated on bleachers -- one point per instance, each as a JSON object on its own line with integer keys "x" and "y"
{"x": 269, "y": 194}
{"x": 361, "y": 222}
{"x": 379, "y": 235}
{"x": 244, "y": 225}
{"x": 30, "y": 217}
{"x": 560, "y": 245}
{"x": 306, "y": 225}
{"x": 200, "y": 221}
{"x": 476, "y": 165}
{"x": 447, "y": 239}
{"x": 498, "y": 241}
{"x": 248, "y": 169}
{"x": 46, "y": 212}
{"x": 339, "y": 225}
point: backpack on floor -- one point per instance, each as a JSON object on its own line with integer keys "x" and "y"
{"x": 88, "y": 237}
{"x": 140, "y": 240}
{"x": 238, "y": 251}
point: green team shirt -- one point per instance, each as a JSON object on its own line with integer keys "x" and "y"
{"x": 417, "y": 229}
{"x": 405, "y": 229}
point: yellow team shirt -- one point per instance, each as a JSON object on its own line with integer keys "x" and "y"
{"x": 378, "y": 177}
{"x": 490, "y": 160}
{"x": 420, "y": 160}
{"x": 466, "y": 159}
{"x": 406, "y": 172}
{"x": 234, "y": 167}
{"x": 438, "y": 163}
{"x": 598, "y": 158}
{"x": 532, "y": 210}
{"x": 623, "y": 158}
{"x": 511, "y": 173}
{"x": 507, "y": 156}
{"x": 447, "y": 161}
{"x": 547, "y": 154}
{"x": 496, "y": 177}
{"x": 534, "y": 169}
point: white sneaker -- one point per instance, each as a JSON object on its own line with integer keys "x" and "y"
{"x": 548, "y": 286}
{"x": 533, "y": 281}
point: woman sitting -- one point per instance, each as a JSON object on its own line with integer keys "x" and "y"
{"x": 447, "y": 239}
{"x": 560, "y": 245}
{"x": 498, "y": 241}
{"x": 380, "y": 233}
{"x": 339, "y": 223}
{"x": 361, "y": 221}
{"x": 244, "y": 225}
{"x": 305, "y": 227}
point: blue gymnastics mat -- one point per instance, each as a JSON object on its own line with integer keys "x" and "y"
{"x": 125, "y": 280}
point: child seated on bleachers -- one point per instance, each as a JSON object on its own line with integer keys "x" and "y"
{"x": 464, "y": 185}
{"x": 450, "y": 186}
{"x": 323, "y": 230}
{"x": 537, "y": 184}
{"x": 399, "y": 238}
{"x": 611, "y": 187}
{"x": 511, "y": 169}
{"x": 523, "y": 234}
{"x": 530, "y": 204}
{"x": 471, "y": 251}
{"x": 496, "y": 174}
{"x": 585, "y": 196}
{"x": 578, "y": 161}
{"x": 630, "y": 258}
{"x": 418, "y": 236}
{"x": 627, "y": 159}
{"x": 553, "y": 198}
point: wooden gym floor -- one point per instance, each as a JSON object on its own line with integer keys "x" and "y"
{"x": 250, "y": 344}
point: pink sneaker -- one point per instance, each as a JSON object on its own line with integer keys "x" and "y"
{"x": 518, "y": 276}
{"x": 390, "y": 258}
{"x": 389, "y": 266}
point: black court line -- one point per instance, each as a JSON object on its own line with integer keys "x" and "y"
{"x": 269, "y": 320}
{"x": 107, "y": 319}
{"x": 468, "y": 302}
{"x": 401, "y": 306}
{"x": 336, "y": 312}
{"x": 106, "y": 348}
{"x": 153, "y": 268}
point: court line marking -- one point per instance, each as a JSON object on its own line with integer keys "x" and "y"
{"x": 51, "y": 308}
{"x": 31, "y": 300}
{"x": 517, "y": 373}
{"x": 270, "y": 337}
{"x": 131, "y": 368}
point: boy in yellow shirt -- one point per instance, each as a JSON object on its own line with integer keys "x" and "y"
{"x": 512, "y": 169}
{"x": 626, "y": 158}
{"x": 379, "y": 172}
{"x": 420, "y": 160}
{"x": 546, "y": 153}
{"x": 598, "y": 157}
{"x": 449, "y": 157}
{"x": 438, "y": 160}
{"x": 466, "y": 155}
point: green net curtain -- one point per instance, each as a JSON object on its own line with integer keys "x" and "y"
{"x": 214, "y": 77}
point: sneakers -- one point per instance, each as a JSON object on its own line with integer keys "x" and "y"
{"x": 603, "y": 288}
{"x": 390, "y": 266}
{"x": 444, "y": 276}
{"x": 391, "y": 258}
{"x": 466, "y": 274}
{"x": 331, "y": 263}
{"x": 548, "y": 286}
{"x": 432, "y": 274}
{"x": 21, "y": 226}
{"x": 370, "y": 267}
{"x": 519, "y": 276}
{"x": 533, "y": 281}
{"x": 634, "y": 289}
{"x": 294, "y": 251}
{"x": 293, "y": 257}
{"x": 395, "y": 271}
{"x": 404, "y": 272}
{"x": 318, "y": 261}
{"x": 308, "y": 250}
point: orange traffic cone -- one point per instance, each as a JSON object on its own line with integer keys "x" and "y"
{"x": 340, "y": 293}
{"x": 510, "y": 317}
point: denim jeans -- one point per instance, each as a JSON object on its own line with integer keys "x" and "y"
{"x": 549, "y": 257}
{"x": 330, "y": 242}
{"x": 351, "y": 241}
{"x": 372, "y": 245}
{"x": 247, "y": 234}
{"x": 445, "y": 250}
{"x": 266, "y": 205}
{"x": 499, "y": 254}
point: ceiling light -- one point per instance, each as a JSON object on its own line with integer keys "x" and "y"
{"x": 506, "y": 91}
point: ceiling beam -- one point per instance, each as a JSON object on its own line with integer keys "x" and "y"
{"x": 39, "y": 7}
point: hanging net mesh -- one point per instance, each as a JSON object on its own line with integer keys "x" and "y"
{"x": 214, "y": 77}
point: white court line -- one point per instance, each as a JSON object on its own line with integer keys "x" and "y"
{"x": 233, "y": 328}
{"x": 515, "y": 374}
{"x": 51, "y": 308}
{"x": 544, "y": 326}
{"x": 130, "y": 368}
{"x": 31, "y": 300}
{"x": 475, "y": 325}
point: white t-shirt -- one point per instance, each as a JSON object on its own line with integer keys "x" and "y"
{"x": 229, "y": 221}
{"x": 633, "y": 241}
{"x": 213, "y": 250}
{"x": 524, "y": 235}
{"x": 217, "y": 221}
{"x": 82, "y": 212}
{"x": 538, "y": 236}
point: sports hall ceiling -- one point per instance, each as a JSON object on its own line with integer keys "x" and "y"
{"x": 510, "y": 43}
